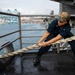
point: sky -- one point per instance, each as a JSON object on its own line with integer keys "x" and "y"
{"x": 30, "y": 6}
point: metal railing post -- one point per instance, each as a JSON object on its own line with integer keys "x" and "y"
{"x": 19, "y": 19}
{"x": 58, "y": 48}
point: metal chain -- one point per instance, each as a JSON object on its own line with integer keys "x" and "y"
{"x": 35, "y": 46}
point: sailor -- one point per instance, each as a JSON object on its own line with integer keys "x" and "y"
{"x": 59, "y": 28}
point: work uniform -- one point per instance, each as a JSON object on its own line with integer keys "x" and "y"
{"x": 54, "y": 30}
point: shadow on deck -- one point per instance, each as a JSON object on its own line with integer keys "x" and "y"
{"x": 51, "y": 64}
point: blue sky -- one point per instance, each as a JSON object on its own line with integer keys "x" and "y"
{"x": 30, "y": 6}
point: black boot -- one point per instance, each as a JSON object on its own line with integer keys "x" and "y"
{"x": 36, "y": 61}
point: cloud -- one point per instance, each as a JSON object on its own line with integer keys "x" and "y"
{"x": 28, "y": 7}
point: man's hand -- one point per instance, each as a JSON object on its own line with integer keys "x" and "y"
{"x": 43, "y": 44}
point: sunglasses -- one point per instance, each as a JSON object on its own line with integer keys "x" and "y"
{"x": 61, "y": 20}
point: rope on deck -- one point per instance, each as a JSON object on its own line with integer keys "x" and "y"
{"x": 34, "y": 46}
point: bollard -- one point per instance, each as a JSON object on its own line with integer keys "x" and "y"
{"x": 9, "y": 48}
{"x": 6, "y": 61}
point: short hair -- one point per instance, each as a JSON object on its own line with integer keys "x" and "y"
{"x": 64, "y": 16}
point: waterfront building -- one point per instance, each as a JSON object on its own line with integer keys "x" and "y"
{"x": 6, "y": 19}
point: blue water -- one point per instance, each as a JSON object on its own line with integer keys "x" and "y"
{"x": 7, "y": 28}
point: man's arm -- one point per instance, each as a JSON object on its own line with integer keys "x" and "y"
{"x": 46, "y": 34}
{"x": 51, "y": 41}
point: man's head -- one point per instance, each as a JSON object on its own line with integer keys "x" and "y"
{"x": 63, "y": 18}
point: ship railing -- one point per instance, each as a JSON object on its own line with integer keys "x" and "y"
{"x": 5, "y": 44}
{"x": 54, "y": 47}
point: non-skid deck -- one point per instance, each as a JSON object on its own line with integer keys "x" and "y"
{"x": 51, "y": 64}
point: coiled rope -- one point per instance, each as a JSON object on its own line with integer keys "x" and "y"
{"x": 35, "y": 46}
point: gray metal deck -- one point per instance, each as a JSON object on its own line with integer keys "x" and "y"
{"x": 51, "y": 64}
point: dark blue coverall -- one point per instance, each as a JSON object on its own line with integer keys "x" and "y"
{"x": 54, "y": 30}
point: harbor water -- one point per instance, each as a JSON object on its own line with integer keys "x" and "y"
{"x": 8, "y": 28}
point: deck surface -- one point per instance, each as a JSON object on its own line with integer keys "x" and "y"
{"x": 51, "y": 64}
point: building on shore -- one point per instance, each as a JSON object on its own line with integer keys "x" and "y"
{"x": 5, "y": 19}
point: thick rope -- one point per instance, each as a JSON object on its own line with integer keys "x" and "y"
{"x": 35, "y": 46}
